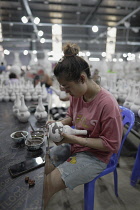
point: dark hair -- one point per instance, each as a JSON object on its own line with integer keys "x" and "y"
{"x": 12, "y": 76}
{"x": 71, "y": 65}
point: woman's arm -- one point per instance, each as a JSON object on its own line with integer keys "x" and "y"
{"x": 95, "y": 143}
{"x": 66, "y": 121}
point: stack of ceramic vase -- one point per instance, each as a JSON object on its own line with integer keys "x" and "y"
{"x": 131, "y": 97}
{"x": 135, "y": 107}
{"x": 8, "y": 92}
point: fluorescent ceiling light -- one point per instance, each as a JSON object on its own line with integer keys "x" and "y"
{"x": 34, "y": 51}
{"x": 35, "y": 59}
{"x": 103, "y": 54}
{"x": 87, "y": 53}
{"x": 94, "y": 59}
{"x": 114, "y": 59}
{"x": 6, "y": 52}
{"x": 42, "y": 40}
{"x": 36, "y": 20}
{"x": 25, "y": 52}
{"x": 124, "y": 55}
{"x": 40, "y": 33}
{"x": 120, "y": 59}
{"x": 94, "y": 29}
{"x": 24, "y": 19}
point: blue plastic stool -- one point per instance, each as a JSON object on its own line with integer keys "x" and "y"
{"x": 136, "y": 169}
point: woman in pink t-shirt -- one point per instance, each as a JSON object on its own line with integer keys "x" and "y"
{"x": 80, "y": 159}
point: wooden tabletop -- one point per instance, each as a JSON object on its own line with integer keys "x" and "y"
{"x": 15, "y": 194}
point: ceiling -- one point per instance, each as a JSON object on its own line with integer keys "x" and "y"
{"x": 76, "y": 18}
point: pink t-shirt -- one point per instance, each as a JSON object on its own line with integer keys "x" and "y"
{"x": 101, "y": 118}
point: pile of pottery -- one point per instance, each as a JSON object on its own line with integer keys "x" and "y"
{"x": 8, "y": 92}
{"x": 133, "y": 99}
{"x": 21, "y": 111}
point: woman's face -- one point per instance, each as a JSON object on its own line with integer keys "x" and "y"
{"x": 76, "y": 89}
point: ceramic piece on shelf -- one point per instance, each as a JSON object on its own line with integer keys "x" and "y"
{"x": 13, "y": 96}
{"x": 137, "y": 99}
{"x": 40, "y": 113}
{"x": 131, "y": 94}
{"x": 35, "y": 96}
{"x": 62, "y": 94}
{"x": 31, "y": 88}
{"x": 127, "y": 104}
{"x": 135, "y": 108}
{"x": 136, "y": 105}
{"x": 23, "y": 114}
{"x": 38, "y": 88}
{"x": 28, "y": 96}
{"x": 10, "y": 88}
{"x": 56, "y": 128}
{"x": 17, "y": 104}
{"x": 44, "y": 93}
{"x": 6, "y": 96}
{"x": 131, "y": 97}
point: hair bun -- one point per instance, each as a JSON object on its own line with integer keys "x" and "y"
{"x": 71, "y": 49}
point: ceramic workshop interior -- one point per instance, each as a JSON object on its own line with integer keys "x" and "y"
{"x": 32, "y": 34}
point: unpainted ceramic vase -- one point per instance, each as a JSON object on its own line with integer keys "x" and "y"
{"x": 40, "y": 113}
{"x": 28, "y": 96}
{"x": 6, "y": 96}
{"x": 62, "y": 94}
{"x": 17, "y": 104}
{"x": 127, "y": 104}
{"x": 56, "y": 128}
{"x": 135, "y": 108}
{"x": 23, "y": 114}
{"x": 34, "y": 96}
{"x": 13, "y": 96}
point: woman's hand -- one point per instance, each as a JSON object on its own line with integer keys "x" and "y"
{"x": 49, "y": 122}
{"x": 67, "y": 138}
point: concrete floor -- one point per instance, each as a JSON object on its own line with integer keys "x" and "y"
{"x": 129, "y": 197}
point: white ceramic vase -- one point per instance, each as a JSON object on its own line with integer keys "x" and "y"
{"x": 56, "y": 128}
{"x": 34, "y": 96}
{"x": 135, "y": 108}
{"x": 40, "y": 113}
{"x": 23, "y": 114}
{"x": 17, "y": 104}
{"x": 13, "y": 96}
{"x": 62, "y": 94}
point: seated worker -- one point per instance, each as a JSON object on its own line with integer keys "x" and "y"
{"x": 13, "y": 77}
{"x": 2, "y": 68}
{"x": 81, "y": 158}
{"x": 45, "y": 78}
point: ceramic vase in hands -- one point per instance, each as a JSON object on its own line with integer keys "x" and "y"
{"x": 56, "y": 128}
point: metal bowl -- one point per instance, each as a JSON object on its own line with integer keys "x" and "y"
{"x": 17, "y": 136}
{"x": 34, "y": 143}
{"x": 36, "y": 134}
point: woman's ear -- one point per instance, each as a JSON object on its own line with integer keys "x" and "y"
{"x": 82, "y": 78}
